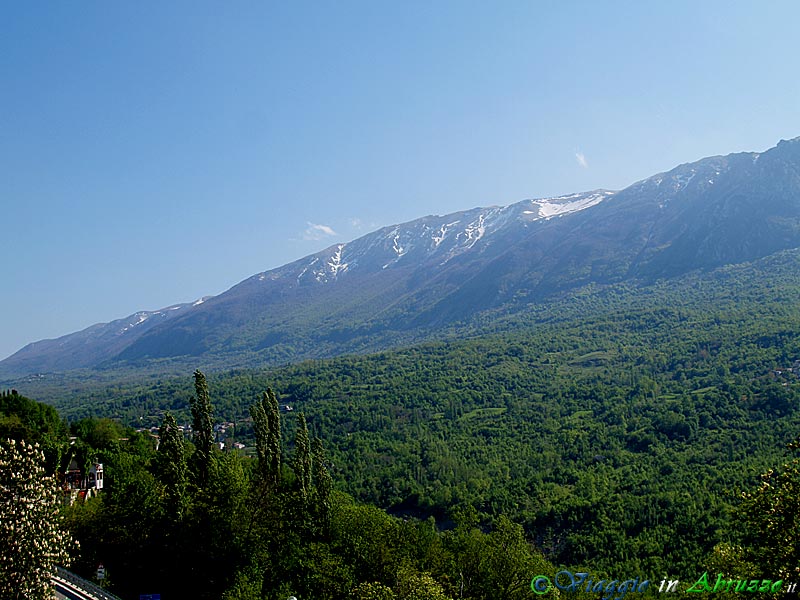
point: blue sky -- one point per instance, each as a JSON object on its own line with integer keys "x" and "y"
{"x": 153, "y": 153}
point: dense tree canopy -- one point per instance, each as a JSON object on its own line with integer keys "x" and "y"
{"x": 243, "y": 538}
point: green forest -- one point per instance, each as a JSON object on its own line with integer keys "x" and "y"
{"x": 188, "y": 520}
{"x": 645, "y": 432}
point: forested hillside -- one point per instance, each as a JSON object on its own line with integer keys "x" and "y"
{"x": 618, "y": 427}
{"x": 185, "y": 520}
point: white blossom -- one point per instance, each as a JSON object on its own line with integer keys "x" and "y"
{"x": 32, "y": 538}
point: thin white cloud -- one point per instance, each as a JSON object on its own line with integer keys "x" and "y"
{"x": 315, "y": 231}
{"x": 356, "y": 222}
{"x": 581, "y": 160}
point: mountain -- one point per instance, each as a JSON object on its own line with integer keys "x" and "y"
{"x": 410, "y": 282}
{"x": 93, "y": 344}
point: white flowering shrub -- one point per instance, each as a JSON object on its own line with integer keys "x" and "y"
{"x": 32, "y": 539}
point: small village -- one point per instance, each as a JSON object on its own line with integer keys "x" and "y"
{"x": 81, "y": 482}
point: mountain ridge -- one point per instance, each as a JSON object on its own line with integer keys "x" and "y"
{"x": 412, "y": 278}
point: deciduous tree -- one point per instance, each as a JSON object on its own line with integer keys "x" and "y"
{"x": 772, "y": 513}
{"x": 32, "y": 540}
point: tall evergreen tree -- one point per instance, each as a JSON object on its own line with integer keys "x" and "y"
{"x": 203, "y": 428}
{"x": 301, "y": 462}
{"x": 261, "y": 431}
{"x": 274, "y": 440}
{"x": 322, "y": 485}
{"x": 267, "y": 429}
{"x": 171, "y": 464}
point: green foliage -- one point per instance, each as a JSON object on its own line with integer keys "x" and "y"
{"x": 618, "y": 428}
{"x": 267, "y": 431}
{"x": 771, "y": 515}
{"x": 261, "y": 433}
{"x": 100, "y": 434}
{"x": 246, "y": 586}
{"x": 34, "y": 422}
{"x": 323, "y": 485}
{"x": 302, "y": 461}
{"x": 202, "y": 429}
{"x": 170, "y": 466}
{"x": 502, "y": 562}
{"x": 418, "y": 586}
{"x": 274, "y": 440}
{"x": 372, "y": 591}
{"x": 366, "y": 535}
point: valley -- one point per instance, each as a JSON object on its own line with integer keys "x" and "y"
{"x": 624, "y": 413}
{"x": 611, "y": 374}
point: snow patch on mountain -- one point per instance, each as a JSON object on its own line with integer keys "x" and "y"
{"x": 396, "y": 245}
{"x": 434, "y": 238}
{"x": 335, "y": 264}
{"x": 330, "y": 268}
{"x": 439, "y": 236}
{"x": 664, "y": 188}
{"x": 547, "y": 208}
{"x": 140, "y": 317}
{"x": 475, "y": 231}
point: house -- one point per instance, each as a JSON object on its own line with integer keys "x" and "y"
{"x": 77, "y": 484}
{"x": 96, "y": 477}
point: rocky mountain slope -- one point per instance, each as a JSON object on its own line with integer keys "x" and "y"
{"x": 407, "y": 282}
